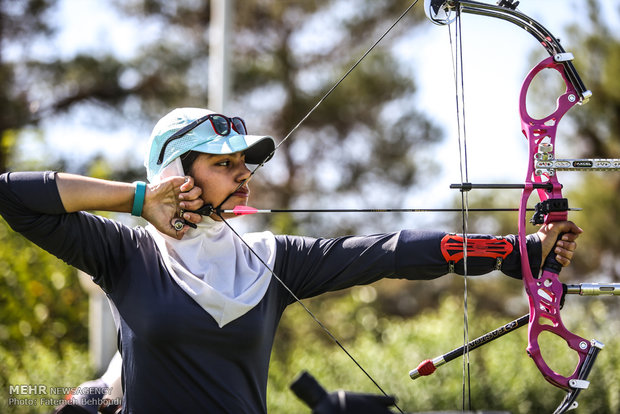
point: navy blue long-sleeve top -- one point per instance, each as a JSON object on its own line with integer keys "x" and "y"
{"x": 175, "y": 357}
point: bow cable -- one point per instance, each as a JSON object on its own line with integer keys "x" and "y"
{"x": 456, "y": 48}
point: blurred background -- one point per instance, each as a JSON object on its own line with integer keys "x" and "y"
{"x": 82, "y": 82}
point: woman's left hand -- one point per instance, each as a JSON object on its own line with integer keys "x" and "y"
{"x": 565, "y": 246}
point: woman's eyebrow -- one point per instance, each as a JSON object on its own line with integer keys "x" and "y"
{"x": 240, "y": 154}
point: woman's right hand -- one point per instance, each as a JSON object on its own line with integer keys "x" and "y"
{"x": 164, "y": 202}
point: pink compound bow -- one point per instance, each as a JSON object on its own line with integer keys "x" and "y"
{"x": 545, "y": 291}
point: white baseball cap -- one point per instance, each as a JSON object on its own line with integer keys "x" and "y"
{"x": 187, "y": 129}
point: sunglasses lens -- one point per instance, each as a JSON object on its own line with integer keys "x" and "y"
{"x": 220, "y": 124}
{"x": 239, "y": 125}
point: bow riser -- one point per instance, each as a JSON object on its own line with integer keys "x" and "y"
{"x": 545, "y": 292}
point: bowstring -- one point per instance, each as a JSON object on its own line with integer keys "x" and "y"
{"x": 322, "y": 99}
{"x": 456, "y": 51}
{"x": 286, "y": 137}
{"x": 308, "y": 311}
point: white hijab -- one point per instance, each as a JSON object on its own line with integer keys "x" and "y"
{"x": 217, "y": 269}
{"x": 214, "y": 267}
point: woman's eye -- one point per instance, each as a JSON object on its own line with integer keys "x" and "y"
{"x": 224, "y": 163}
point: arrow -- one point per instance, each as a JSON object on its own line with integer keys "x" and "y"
{"x": 428, "y": 366}
{"x": 246, "y": 210}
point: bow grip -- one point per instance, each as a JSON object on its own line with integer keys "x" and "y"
{"x": 547, "y": 211}
{"x": 551, "y": 264}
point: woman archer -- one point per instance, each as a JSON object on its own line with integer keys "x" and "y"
{"x": 196, "y": 310}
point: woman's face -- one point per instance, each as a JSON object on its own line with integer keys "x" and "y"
{"x": 219, "y": 176}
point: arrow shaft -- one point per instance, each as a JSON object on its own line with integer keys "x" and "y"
{"x": 244, "y": 210}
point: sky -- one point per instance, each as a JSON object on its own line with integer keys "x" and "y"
{"x": 496, "y": 60}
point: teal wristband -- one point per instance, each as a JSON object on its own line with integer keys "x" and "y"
{"x": 138, "y": 198}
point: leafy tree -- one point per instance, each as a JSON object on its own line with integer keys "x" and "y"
{"x": 41, "y": 297}
{"x": 43, "y": 320}
{"x": 21, "y": 23}
{"x": 359, "y": 139}
{"x": 38, "y": 87}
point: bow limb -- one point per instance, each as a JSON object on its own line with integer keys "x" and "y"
{"x": 445, "y": 11}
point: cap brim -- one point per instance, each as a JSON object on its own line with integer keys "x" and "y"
{"x": 257, "y": 148}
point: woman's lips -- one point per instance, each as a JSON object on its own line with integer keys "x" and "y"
{"x": 242, "y": 192}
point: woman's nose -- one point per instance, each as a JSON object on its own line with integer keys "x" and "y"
{"x": 244, "y": 171}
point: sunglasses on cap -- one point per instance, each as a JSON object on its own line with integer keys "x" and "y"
{"x": 222, "y": 125}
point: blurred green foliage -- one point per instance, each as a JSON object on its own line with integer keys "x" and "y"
{"x": 39, "y": 365}
{"x": 43, "y": 320}
{"x": 41, "y": 296}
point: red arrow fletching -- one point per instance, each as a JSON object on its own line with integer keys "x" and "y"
{"x": 244, "y": 210}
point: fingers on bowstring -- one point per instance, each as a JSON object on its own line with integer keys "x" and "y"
{"x": 189, "y": 197}
{"x": 192, "y": 193}
{"x": 192, "y": 217}
{"x": 189, "y": 204}
{"x": 185, "y": 220}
